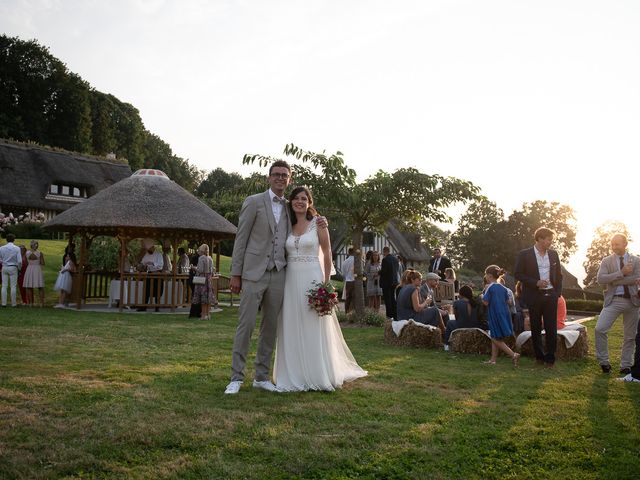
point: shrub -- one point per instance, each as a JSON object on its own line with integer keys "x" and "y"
{"x": 29, "y": 230}
{"x": 104, "y": 254}
{"x": 369, "y": 317}
{"x": 584, "y": 305}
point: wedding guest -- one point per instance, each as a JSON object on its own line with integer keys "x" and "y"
{"x": 428, "y": 290}
{"x": 412, "y": 305}
{"x": 521, "y": 310}
{"x": 512, "y": 299}
{"x": 562, "y": 312}
{"x": 496, "y": 299}
{"x": 634, "y": 373}
{"x": 348, "y": 267}
{"x": 465, "y": 309}
{"x": 151, "y": 262}
{"x": 450, "y": 276}
{"x": 196, "y": 309}
{"x": 64, "y": 281}
{"x": 183, "y": 261}
{"x": 167, "y": 265}
{"x": 70, "y": 248}
{"x": 23, "y": 291}
{"x": 618, "y": 273}
{"x": 203, "y": 293}
{"x": 389, "y": 280}
{"x": 539, "y": 270}
{"x": 11, "y": 261}
{"x": 438, "y": 263}
{"x": 372, "y": 271}
{"x": 34, "y": 276}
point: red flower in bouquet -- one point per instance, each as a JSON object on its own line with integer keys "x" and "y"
{"x": 322, "y": 298}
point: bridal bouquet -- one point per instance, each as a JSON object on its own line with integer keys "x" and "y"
{"x": 322, "y": 297}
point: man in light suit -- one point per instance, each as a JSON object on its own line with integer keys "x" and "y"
{"x": 618, "y": 274}
{"x": 258, "y": 269}
{"x": 539, "y": 270}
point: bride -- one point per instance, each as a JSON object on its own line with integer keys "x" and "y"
{"x": 311, "y": 353}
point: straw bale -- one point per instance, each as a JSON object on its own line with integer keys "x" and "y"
{"x": 413, "y": 336}
{"x": 580, "y": 349}
{"x": 472, "y": 340}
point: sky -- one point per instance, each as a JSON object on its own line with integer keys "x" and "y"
{"x": 529, "y": 100}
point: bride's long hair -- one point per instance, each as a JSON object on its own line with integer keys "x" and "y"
{"x": 311, "y": 211}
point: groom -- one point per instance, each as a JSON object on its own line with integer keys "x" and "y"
{"x": 258, "y": 269}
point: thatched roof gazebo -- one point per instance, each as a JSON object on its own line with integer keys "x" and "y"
{"x": 146, "y": 204}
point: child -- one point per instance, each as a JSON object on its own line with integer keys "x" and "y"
{"x": 496, "y": 298}
{"x": 63, "y": 282}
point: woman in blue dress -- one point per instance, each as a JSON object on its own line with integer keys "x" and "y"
{"x": 496, "y": 298}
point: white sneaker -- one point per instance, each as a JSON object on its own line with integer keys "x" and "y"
{"x": 628, "y": 378}
{"x": 233, "y": 387}
{"x": 446, "y": 347}
{"x": 265, "y": 385}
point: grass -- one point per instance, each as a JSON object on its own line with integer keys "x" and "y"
{"x": 91, "y": 395}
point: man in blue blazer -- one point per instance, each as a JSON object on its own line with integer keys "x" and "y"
{"x": 539, "y": 270}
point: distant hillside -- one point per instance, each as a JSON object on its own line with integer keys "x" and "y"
{"x": 42, "y": 101}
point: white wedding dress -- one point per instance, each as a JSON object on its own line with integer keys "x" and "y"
{"x": 311, "y": 353}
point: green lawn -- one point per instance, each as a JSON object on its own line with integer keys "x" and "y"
{"x": 90, "y": 395}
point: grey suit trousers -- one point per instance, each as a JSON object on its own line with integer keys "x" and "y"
{"x": 608, "y": 315}
{"x": 267, "y": 292}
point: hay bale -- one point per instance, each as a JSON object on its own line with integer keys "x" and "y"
{"x": 472, "y": 340}
{"x": 580, "y": 349}
{"x": 413, "y": 336}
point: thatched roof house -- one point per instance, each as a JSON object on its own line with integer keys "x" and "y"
{"x": 35, "y": 179}
{"x": 146, "y": 204}
{"x": 407, "y": 244}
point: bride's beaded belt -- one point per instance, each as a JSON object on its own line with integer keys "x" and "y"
{"x": 303, "y": 259}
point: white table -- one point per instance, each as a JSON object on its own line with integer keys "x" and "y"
{"x": 114, "y": 292}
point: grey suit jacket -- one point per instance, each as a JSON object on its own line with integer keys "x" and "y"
{"x": 610, "y": 277}
{"x": 253, "y": 243}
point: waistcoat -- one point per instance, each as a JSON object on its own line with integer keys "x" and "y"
{"x": 277, "y": 257}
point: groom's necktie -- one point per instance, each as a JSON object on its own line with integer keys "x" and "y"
{"x": 279, "y": 200}
{"x": 626, "y": 287}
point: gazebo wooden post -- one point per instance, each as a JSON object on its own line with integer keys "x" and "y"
{"x": 174, "y": 269}
{"x": 123, "y": 253}
{"x": 83, "y": 266}
{"x": 217, "y": 246}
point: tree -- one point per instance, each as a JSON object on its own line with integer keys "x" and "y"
{"x": 40, "y": 99}
{"x": 480, "y": 230}
{"x": 522, "y": 224}
{"x": 219, "y": 181}
{"x": 158, "y": 154}
{"x": 601, "y": 247}
{"x": 408, "y": 195}
{"x": 485, "y": 237}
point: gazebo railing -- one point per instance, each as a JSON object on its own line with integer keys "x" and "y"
{"x": 164, "y": 290}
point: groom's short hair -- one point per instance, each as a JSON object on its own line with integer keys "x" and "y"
{"x": 279, "y": 163}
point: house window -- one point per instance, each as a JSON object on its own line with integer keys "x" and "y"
{"x": 368, "y": 239}
{"x": 68, "y": 190}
